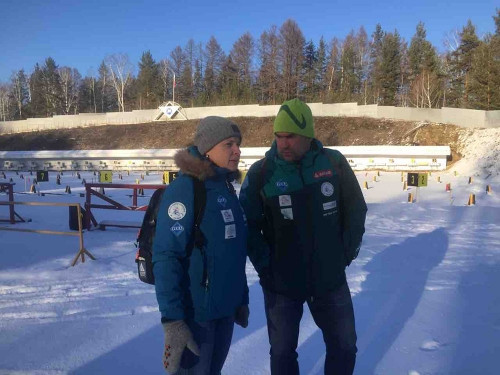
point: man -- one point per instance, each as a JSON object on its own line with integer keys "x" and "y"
{"x": 305, "y": 213}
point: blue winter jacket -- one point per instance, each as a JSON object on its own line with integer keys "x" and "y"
{"x": 178, "y": 275}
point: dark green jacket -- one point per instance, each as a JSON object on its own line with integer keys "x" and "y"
{"x": 305, "y": 220}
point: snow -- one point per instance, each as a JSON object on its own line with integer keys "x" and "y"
{"x": 424, "y": 286}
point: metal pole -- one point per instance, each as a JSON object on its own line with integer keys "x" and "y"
{"x": 87, "y": 207}
{"x": 11, "y": 208}
{"x": 173, "y": 89}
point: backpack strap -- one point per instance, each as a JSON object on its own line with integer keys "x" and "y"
{"x": 262, "y": 178}
{"x": 200, "y": 200}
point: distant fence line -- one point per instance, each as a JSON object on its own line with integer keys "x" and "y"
{"x": 469, "y": 118}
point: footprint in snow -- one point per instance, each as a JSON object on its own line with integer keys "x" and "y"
{"x": 430, "y": 345}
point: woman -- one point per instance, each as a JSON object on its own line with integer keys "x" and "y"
{"x": 202, "y": 290}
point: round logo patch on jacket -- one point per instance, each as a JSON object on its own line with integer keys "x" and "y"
{"x": 176, "y": 211}
{"x": 327, "y": 189}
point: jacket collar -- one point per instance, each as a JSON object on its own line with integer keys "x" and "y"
{"x": 307, "y": 159}
{"x": 192, "y": 163}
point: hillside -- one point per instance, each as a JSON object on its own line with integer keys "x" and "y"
{"x": 332, "y": 131}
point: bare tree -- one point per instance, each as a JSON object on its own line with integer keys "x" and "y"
{"x": 242, "y": 55}
{"x": 333, "y": 67}
{"x": 164, "y": 76}
{"x": 215, "y": 58}
{"x": 290, "y": 57}
{"x": 4, "y": 101}
{"x": 120, "y": 70}
{"x": 19, "y": 89}
{"x": 70, "y": 81}
{"x": 268, "y": 73}
{"x": 426, "y": 90}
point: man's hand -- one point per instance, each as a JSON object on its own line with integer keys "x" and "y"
{"x": 241, "y": 316}
{"x": 177, "y": 337}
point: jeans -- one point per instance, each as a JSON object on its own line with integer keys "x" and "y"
{"x": 333, "y": 313}
{"x": 214, "y": 339}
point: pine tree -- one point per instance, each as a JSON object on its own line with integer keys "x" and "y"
{"x": 376, "y": 63}
{"x": 485, "y": 73}
{"x": 481, "y": 76}
{"x": 148, "y": 82}
{"x": 36, "y": 103}
{"x": 390, "y": 69}
{"x": 309, "y": 73}
{"x": 87, "y": 97}
{"x": 52, "y": 90}
{"x": 460, "y": 62}
{"x": 320, "y": 70}
{"x": 104, "y": 90}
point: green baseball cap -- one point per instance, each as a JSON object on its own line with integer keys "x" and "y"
{"x": 294, "y": 116}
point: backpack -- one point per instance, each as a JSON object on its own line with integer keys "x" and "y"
{"x": 144, "y": 241}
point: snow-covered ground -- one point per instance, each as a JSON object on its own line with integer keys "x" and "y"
{"x": 425, "y": 285}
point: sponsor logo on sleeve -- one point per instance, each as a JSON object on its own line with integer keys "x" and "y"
{"x": 176, "y": 211}
{"x": 282, "y": 185}
{"x": 221, "y": 200}
{"x": 177, "y": 229}
{"x": 323, "y": 173}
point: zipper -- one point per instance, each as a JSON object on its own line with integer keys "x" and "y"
{"x": 313, "y": 244}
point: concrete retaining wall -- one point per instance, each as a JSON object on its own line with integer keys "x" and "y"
{"x": 469, "y": 118}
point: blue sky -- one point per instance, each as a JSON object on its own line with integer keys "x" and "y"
{"x": 81, "y": 33}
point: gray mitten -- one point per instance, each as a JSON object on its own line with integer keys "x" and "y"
{"x": 177, "y": 337}
{"x": 241, "y": 316}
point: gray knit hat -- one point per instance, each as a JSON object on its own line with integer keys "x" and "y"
{"x": 212, "y": 130}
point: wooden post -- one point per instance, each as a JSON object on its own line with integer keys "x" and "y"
{"x": 83, "y": 250}
{"x": 410, "y": 198}
{"x": 134, "y": 198}
{"x": 472, "y": 200}
{"x": 365, "y": 185}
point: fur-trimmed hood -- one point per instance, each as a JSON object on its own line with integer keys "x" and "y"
{"x": 194, "y": 165}
{"x": 190, "y": 162}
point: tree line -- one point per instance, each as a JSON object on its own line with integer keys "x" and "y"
{"x": 381, "y": 69}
